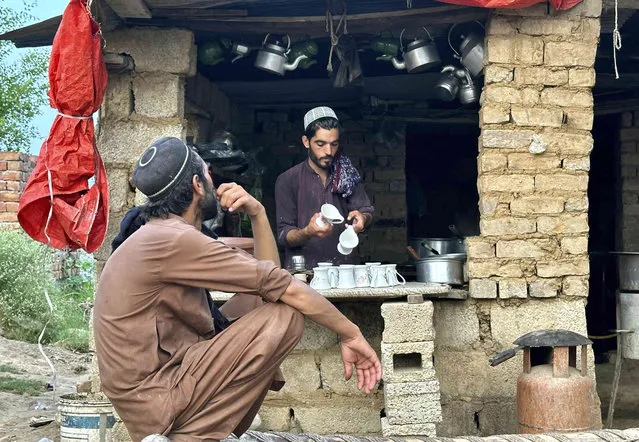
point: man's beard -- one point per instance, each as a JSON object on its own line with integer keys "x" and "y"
{"x": 209, "y": 204}
{"x": 318, "y": 161}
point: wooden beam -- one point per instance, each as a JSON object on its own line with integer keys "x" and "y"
{"x": 202, "y": 4}
{"x": 615, "y": 106}
{"x": 130, "y": 8}
{"x": 314, "y": 26}
{"x": 197, "y": 14}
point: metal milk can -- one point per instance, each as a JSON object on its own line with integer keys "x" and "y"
{"x": 553, "y": 393}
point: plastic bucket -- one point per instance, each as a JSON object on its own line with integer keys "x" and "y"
{"x": 87, "y": 418}
{"x": 629, "y": 320}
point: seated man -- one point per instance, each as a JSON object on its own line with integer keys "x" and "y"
{"x": 161, "y": 363}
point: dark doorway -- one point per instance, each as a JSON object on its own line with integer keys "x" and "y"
{"x": 441, "y": 179}
{"x": 603, "y": 195}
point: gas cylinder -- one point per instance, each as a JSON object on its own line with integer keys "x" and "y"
{"x": 553, "y": 393}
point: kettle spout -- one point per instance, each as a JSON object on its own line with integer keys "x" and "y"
{"x": 398, "y": 64}
{"x": 295, "y": 64}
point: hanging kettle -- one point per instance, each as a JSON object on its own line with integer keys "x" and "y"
{"x": 468, "y": 92}
{"x": 471, "y": 51}
{"x": 448, "y": 84}
{"x": 308, "y": 48}
{"x": 386, "y": 45}
{"x": 272, "y": 57}
{"x": 420, "y": 55}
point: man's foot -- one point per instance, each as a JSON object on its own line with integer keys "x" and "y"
{"x": 156, "y": 438}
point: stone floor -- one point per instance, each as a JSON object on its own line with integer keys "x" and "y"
{"x": 627, "y": 405}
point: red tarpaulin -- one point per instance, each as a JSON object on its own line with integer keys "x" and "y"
{"x": 57, "y": 206}
{"x": 557, "y": 4}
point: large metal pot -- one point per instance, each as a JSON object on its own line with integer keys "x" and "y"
{"x": 445, "y": 246}
{"x": 628, "y": 271}
{"x": 440, "y": 270}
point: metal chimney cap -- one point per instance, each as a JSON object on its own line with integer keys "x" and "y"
{"x": 552, "y": 338}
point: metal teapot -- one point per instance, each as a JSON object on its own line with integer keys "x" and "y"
{"x": 420, "y": 55}
{"x": 273, "y": 57}
{"x": 386, "y": 45}
{"x": 448, "y": 84}
{"x": 468, "y": 92}
{"x": 471, "y": 49}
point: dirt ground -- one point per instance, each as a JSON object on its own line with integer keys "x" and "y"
{"x": 17, "y": 410}
{"x": 73, "y": 368}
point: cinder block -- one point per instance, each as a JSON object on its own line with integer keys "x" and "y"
{"x": 123, "y": 142}
{"x": 149, "y": 48}
{"x": 316, "y": 337}
{"x": 331, "y": 370}
{"x": 421, "y": 429}
{"x": 413, "y": 408}
{"x": 118, "y": 97}
{"x": 119, "y": 189}
{"x": 456, "y": 324}
{"x": 411, "y": 388}
{"x": 159, "y": 95}
{"x": 275, "y": 418}
{"x": 408, "y": 362}
{"x": 407, "y": 322}
{"x": 482, "y": 288}
{"x": 301, "y": 373}
{"x": 360, "y": 416}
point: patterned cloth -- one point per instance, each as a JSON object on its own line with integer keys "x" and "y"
{"x": 345, "y": 176}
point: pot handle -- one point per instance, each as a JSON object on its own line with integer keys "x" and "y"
{"x": 503, "y": 356}
{"x": 401, "y": 42}
{"x": 287, "y": 36}
{"x": 450, "y": 44}
{"x": 428, "y": 33}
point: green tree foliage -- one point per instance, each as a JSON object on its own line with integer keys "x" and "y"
{"x": 23, "y": 83}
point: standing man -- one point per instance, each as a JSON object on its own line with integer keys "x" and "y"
{"x": 326, "y": 177}
{"x": 162, "y": 365}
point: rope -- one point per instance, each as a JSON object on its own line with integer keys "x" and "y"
{"x": 46, "y": 291}
{"x": 616, "y": 39}
{"x": 334, "y": 34}
{"x": 74, "y": 117}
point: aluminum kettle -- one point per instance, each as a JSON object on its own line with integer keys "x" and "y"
{"x": 448, "y": 84}
{"x": 471, "y": 51}
{"x": 273, "y": 57}
{"x": 420, "y": 55}
{"x": 468, "y": 92}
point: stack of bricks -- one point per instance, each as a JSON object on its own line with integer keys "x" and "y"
{"x": 533, "y": 164}
{"x": 15, "y": 168}
{"x": 629, "y": 160}
{"x": 411, "y": 390}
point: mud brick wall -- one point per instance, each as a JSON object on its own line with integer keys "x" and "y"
{"x": 15, "y": 168}
{"x": 277, "y": 134}
{"x": 529, "y": 266}
{"x": 629, "y": 162}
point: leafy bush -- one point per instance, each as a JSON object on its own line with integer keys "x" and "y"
{"x": 25, "y": 273}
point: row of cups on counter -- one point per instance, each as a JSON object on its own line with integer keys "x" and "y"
{"x": 348, "y": 276}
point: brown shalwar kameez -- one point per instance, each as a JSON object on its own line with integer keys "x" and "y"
{"x": 160, "y": 363}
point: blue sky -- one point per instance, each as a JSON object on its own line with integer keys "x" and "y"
{"x": 43, "y": 10}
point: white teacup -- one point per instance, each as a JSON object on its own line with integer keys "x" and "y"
{"x": 346, "y": 277}
{"x": 324, "y": 264}
{"x": 369, "y": 266}
{"x": 329, "y": 215}
{"x": 348, "y": 240}
{"x": 320, "y": 279}
{"x": 378, "y": 276}
{"x": 361, "y": 276}
{"x": 392, "y": 274}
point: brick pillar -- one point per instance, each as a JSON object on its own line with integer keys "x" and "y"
{"x": 529, "y": 267}
{"x": 15, "y": 168}
{"x": 629, "y": 160}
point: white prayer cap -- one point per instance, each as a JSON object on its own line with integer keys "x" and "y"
{"x": 317, "y": 113}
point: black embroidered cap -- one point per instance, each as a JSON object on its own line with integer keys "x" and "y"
{"x": 161, "y": 167}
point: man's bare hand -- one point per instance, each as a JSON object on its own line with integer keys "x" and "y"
{"x": 356, "y": 351}
{"x": 359, "y": 221}
{"x": 234, "y": 198}
{"x": 312, "y": 229}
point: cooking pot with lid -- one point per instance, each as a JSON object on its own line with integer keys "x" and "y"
{"x": 442, "y": 270}
{"x": 425, "y": 247}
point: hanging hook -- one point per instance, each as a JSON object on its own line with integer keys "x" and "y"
{"x": 450, "y": 44}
